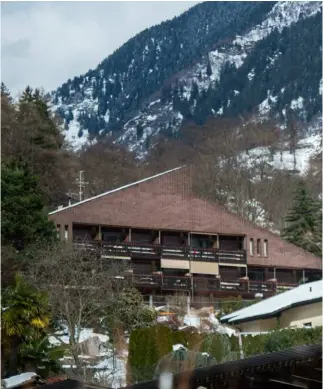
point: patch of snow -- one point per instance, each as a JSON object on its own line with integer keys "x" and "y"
{"x": 297, "y": 104}
{"x": 265, "y": 107}
{"x": 153, "y": 103}
{"x": 177, "y": 347}
{"x": 180, "y": 116}
{"x": 85, "y": 334}
{"x": 151, "y": 118}
{"x": 18, "y": 380}
{"x": 220, "y": 111}
{"x": 306, "y": 148}
{"x": 282, "y": 15}
{"x": 160, "y": 308}
{"x": 192, "y": 321}
{"x": 251, "y": 74}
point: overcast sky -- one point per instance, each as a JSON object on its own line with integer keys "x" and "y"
{"x": 43, "y": 44}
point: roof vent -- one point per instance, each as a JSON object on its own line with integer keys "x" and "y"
{"x": 310, "y": 289}
{"x": 60, "y": 207}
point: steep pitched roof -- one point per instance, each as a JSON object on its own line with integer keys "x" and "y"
{"x": 166, "y": 201}
{"x": 304, "y": 294}
{"x": 116, "y": 190}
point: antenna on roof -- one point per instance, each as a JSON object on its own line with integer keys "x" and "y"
{"x": 81, "y": 184}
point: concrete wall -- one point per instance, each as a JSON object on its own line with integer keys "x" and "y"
{"x": 292, "y": 318}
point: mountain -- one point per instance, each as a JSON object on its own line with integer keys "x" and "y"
{"x": 216, "y": 59}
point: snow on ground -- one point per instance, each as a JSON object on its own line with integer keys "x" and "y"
{"x": 219, "y": 328}
{"x": 18, "y": 380}
{"x": 85, "y": 334}
{"x": 192, "y": 321}
{"x": 265, "y": 107}
{"x": 111, "y": 372}
{"x": 72, "y": 135}
{"x": 307, "y": 147}
{"x": 177, "y": 347}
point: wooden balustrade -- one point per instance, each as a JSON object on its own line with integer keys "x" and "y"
{"x": 133, "y": 249}
{"x": 206, "y": 284}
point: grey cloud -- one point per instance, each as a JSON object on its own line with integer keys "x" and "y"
{"x": 66, "y": 39}
{"x": 20, "y": 48}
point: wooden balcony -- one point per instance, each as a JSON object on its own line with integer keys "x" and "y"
{"x": 207, "y": 285}
{"x": 137, "y": 249}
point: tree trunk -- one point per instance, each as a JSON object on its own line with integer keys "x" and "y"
{"x": 13, "y": 360}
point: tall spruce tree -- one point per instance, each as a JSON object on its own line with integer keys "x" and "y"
{"x": 23, "y": 219}
{"x": 44, "y": 152}
{"x": 303, "y": 222}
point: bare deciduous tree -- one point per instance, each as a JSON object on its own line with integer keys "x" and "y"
{"x": 80, "y": 286}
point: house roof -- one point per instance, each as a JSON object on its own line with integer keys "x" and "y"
{"x": 167, "y": 201}
{"x": 116, "y": 190}
{"x": 270, "y": 307}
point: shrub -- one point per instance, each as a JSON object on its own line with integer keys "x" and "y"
{"x": 148, "y": 346}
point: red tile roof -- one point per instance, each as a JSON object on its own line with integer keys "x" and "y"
{"x": 167, "y": 202}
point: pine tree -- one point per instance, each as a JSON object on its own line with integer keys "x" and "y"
{"x": 23, "y": 219}
{"x": 302, "y": 221}
{"x": 139, "y": 131}
{"x": 5, "y": 92}
{"x": 194, "y": 92}
{"x": 43, "y": 142}
{"x": 209, "y": 68}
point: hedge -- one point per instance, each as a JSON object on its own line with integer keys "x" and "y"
{"x": 148, "y": 345}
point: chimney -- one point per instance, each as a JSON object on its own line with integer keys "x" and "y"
{"x": 69, "y": 201}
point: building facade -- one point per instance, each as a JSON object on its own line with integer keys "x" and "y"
{"x": 176, "y": 241}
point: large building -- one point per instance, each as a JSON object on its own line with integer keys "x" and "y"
{"x": 176, "y": 241}
{"x": 300, "y": 307}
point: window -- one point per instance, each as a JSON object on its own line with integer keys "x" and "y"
{"x": 66, "y": 233}
{"x": 251, "y": 246}
{"x": 58, "y": 231}
{"x": 266, "y": 248}
{"x": 307, "y": 325}
{"x": 258, "y": 247}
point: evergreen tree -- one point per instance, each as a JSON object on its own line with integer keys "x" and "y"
{"x": 139, "y": 131}
{"x": 5, "y": 92}
{"x": 194, "y": 92}
{"x": 302, "y": 224}
{"x": 208, "y": 68}
{"x": 23, "y": 218}
{"x": 40, "y": 138}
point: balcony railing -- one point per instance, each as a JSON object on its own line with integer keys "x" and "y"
{"x": 132, "y": 249}
{"x": 206, "y": 284}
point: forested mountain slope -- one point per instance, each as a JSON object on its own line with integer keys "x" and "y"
{"x": 216, "y": 59}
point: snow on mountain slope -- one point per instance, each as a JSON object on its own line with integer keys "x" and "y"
{"x": 307, "y": 147}
{"x": 88, "y": 104}
{"x": 157, "y": 114}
